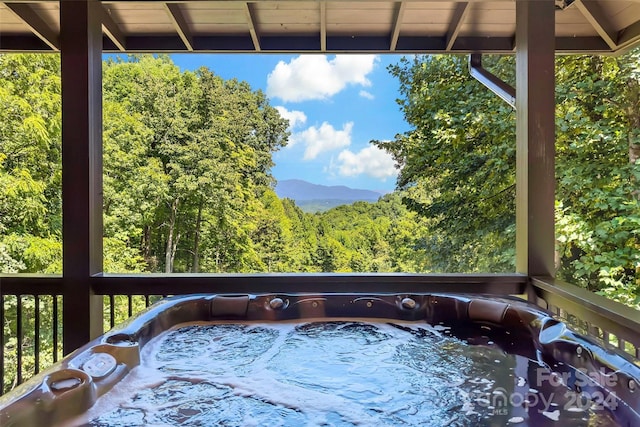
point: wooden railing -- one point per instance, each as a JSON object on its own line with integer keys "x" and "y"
{"x": 31, "y": 336}
{"x": 31, "y": 308}
{"x": 612, "y": 325}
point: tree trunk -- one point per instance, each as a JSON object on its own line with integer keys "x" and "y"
{"x": 171, "y": 245}
{"x": 634, "y": 142}
{"x": 174, "y": 249}
{"x": 196, "y": 239}
{"x": 146, "y": 243}
{"x": 634, "y": 152}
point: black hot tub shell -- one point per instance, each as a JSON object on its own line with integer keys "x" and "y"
{"x": 71, "y": 388}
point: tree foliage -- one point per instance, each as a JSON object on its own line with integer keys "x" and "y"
{"x": 188, "y": 167}
{"x": 30, "y": 169}
{"x": 188, "y": 187}
{"x": 187, "y": 181}
{"x": 457, "y": 167}
{"x": 598, "y": 173}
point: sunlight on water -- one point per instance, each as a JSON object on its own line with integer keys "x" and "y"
{"x": 334, "y": 373}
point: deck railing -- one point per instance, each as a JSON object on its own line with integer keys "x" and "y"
{"x": 31, "y": 337}
{"x": 613, "y": 325}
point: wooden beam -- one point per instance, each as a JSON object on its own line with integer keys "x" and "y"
{"x": 339, "y": 44}
{"x": 397, "y": 23}
{"x": 335, "y": 44}
{"x": 81, "y": 76}
{"x": 162, "y": 284}
{"x": 31, "y": 284}
{"x": 251, "y": 22}
{"x": 111, "y": 29}
{"x": 593, "y": 13}
{"x": 479, "y": 44}
{"x": 157, "y": 44}
{"x": 579, "y": 45}
{"x": 459, "y": 16}
{"x": 180, "y": 24}
{"x": 323, "y": 26}
{"x": 25, "y": 13}
{"x": 27, "y": 43}
{"x": 629, "y": 35}
{"x": 535, "y": 137}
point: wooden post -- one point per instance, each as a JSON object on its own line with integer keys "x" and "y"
{"x": 81, "y": 60}
{"x": 535, "y": 137}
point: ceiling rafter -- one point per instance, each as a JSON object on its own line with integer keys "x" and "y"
{"x": 111, "y": 29}
{"x": 629, "y": 35}
{"x": 599, "y": 26}
{"x": 459, "y": 16}
{"x": 323, "y": 26}
{"x": 397, "y": 23}
{"x": 251, "y": 22}
{"x": 180, "y": 24}
{"x": 27, "y": 15}
{"x": 597, "y": 19}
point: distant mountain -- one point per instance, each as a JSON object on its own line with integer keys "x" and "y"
{"x": 316, "y": 198}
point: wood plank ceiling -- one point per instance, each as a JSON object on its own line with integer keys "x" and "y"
{"x": 409, "y": 26}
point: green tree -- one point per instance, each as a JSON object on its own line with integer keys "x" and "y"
{"x": 30, "y": 199}
{"x": 196, "y": 152}
{"x": 457, "y": 168}
{"x": 598, "y": 145}
{"x": 30, "y": 166}
{"x": 458, "y": 162}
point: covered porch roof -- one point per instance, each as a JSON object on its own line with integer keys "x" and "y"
{"x": 294, "y": 26}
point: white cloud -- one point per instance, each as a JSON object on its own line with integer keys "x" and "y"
{"x": 370, "y": 161}
{"x": 315, "y": 77}
{"x": 365, "y": 94}
{"x": 295, "y": 117}
{"x": 323, "y": 138}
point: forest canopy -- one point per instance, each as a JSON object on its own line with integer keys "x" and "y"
{"x": 457, "y": 167}
{"x": 188, "y": 184}
{"x": 187, "y": 180}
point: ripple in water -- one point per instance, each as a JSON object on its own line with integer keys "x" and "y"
{"x": 198, "y": 347}
{"x": 339, "y": 373}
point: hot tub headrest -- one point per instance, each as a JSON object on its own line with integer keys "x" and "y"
{"x": 229, "y": 306}
{"x": 487, "y": 310}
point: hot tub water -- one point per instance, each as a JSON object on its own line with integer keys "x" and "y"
{"x": 338, "y": 372}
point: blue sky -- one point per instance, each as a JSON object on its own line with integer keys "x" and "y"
{"x": 335, "y": 106}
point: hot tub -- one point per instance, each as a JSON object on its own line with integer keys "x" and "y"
{"x": 337, "y": 359}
